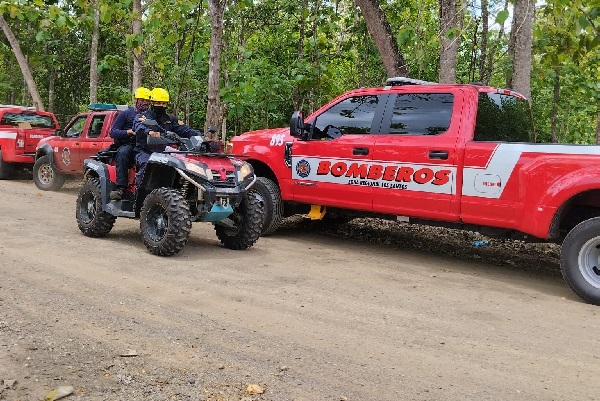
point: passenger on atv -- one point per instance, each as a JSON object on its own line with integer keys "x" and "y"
{"x": 159, "y": 98}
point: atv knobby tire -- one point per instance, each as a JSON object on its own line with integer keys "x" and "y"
{"x": 580, "y": 260}
{"x": 165, "y": 222}
{"x": 270, "y": 195}
{"x": 91, "y": 219}
{"x": 248, "y": 219}
{"x": 45, "y": 177}
{"x": 7, "y": 170}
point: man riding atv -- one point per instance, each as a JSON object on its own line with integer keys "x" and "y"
{"x": 174, "y": 188}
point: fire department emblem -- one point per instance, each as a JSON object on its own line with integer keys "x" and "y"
{"x": 303, "y": 168}
{"x": 66, "y": 156}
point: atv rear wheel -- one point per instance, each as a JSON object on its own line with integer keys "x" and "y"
{"x": 7, "y": 170}
{"x": 270, "y": 195}
{"x": 248, "y": 220}
{"x": 165, "y": 222}
{"x": 92, "y": 221}
{"x": 45, "y": 177}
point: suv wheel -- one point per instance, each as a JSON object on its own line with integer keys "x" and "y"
{"x": 91, "y": 219}
{"x": 6, "y": 169}
{"x": 248, "y": 220}
{"x": 268, "y": 192}
{"x": 165, "y": 222}
{"x": 45, "y": 177}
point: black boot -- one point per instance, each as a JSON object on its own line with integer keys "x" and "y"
{"x": 118, "y": 194}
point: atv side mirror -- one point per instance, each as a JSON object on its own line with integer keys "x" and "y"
{"x": 297, "y": 126}
{"x": 149, "y": 123}
{"x": 212, "y": 129}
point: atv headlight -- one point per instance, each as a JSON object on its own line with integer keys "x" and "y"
{"x": 201, "y": 171}
{"x": 244, "y": 172}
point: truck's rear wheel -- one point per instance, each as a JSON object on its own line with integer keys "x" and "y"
{"x": 165, "y": 222}
{"x": 91, "y": 220}
{"x": 45, "y": 177}
{"x": 270, "y": 195}
{"x": 580, "y": 260}
{"x": 7, "y": 170}
{"x": 248, "y": 220}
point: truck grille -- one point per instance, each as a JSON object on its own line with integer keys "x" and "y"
{"x": 228, "y": 182}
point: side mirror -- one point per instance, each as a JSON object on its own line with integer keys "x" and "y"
{"x": 60, "y": 132}
{"x": 149, "y": 123}
{"x": 297, "y": 125}
{"x": 212, "y": 129}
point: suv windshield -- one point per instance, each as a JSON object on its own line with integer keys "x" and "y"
{"x": 503, "y": 118}
{"x": 33, "y": 119}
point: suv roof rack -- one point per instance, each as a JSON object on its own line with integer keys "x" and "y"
{"x": 399, "y": 81}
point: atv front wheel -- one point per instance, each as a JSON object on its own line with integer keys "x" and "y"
{"x": 165, "y": 222}
{"x": 248, "y": 220}
{"x": 92, "y": 221}
{"x": 45, "y": 177}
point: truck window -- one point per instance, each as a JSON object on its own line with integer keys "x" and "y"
{"x": 96, "y": 126}
{"x": 503, "y": 118}
{"x": 350, "y": 116}
{"x": 422, "y": 113}
{"x": 34, "y": 120}
{"x": 75, "y": 130}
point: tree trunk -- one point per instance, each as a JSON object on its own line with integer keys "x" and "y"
{"x": 94, "y": 55}
{"x": 555, "y": 99}
{"x": 16, "y": 48}
{"x": 489, "y": 69}
{"x": 451, "y": 12}
{"x": 381, "y": 32}
{"x": 598, "y": 130}
{"x": 214, "y": 116}
{"x": 519, "y": 47}
{"x": 485, "y": 15}
{"x": 136, "y": 27}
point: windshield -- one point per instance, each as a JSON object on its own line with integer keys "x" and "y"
{"x": 33, "y": 119}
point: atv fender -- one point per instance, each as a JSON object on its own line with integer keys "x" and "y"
{"x": 98, "y": 169}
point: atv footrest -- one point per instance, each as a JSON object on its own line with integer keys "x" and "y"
{"x": 113, "y": 207}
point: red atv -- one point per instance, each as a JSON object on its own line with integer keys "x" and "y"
{"x": 179, "y": 186}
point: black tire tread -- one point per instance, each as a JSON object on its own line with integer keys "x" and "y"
{"x": 269, "y": 190}
{"x": 252, "y": 213}
{"x": 180, "y": 222}
{"x": 7, "y": 170}
{"x": 103, "y": 222}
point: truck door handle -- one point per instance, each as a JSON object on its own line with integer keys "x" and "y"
{"x": 438, "y": 154}
{"x": 360, "y": 151}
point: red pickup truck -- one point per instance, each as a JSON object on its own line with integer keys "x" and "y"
{"x": 21, "y": 128}
{"x": 62, "y": 155}
{"x": 460, "y": 156}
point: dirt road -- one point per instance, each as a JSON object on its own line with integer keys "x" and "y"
{"x": 302, "y": 315}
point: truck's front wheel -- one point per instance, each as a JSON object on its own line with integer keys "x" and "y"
{"x": 269, "y": 193}
{"x": 7, "y": 170}
{"x": 165, "y": 222}
{"x": 248, "y": 220}
{"x": 45, "y": 177}
{"x": 580, "y": 260}
{"x": 92, "y": 221}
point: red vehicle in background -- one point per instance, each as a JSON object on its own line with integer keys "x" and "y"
{"x": 21, "y": 128}
{"x": 62, "y": 155}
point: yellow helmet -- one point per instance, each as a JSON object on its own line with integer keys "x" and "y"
{"x": 159, "y": 95}
{"x": 142, "y": 93}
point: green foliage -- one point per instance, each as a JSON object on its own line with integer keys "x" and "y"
{"x": 282, "y": 55}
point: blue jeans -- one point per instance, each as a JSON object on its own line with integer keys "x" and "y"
{"x": 124, "y": 161}
{"x": 141, "y": 159}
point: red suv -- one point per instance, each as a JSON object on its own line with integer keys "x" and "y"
{"x": 21, "y": 128}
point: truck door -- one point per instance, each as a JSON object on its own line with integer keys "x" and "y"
{"x": 416, "y": 150}
{"x": 332, "y": 167}
{"x": 67, "y": 146}
{"x": 90, "y": 142}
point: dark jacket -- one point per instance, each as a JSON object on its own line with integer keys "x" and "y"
{"x": 166, "y": 121}
{"x": 122, "y": 123}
